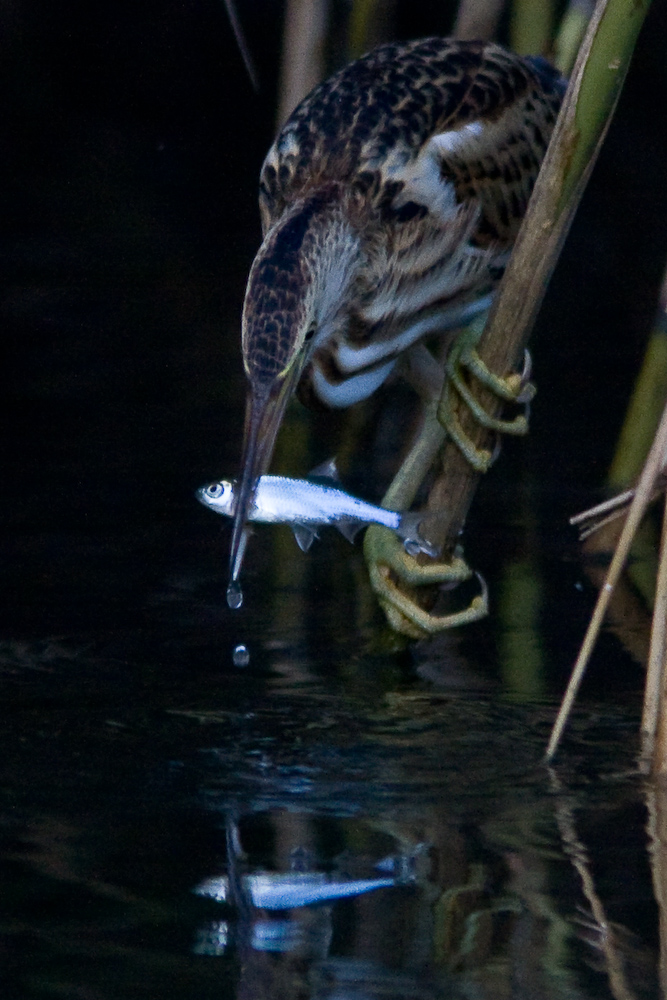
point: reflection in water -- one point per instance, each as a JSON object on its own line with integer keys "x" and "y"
{"x": 274, "y": 839}
{"x": 241, "y": 655}
{"x": 289, "y": 891}
{"x": 280, "y": 891}
{"x": 477, "y": 906}
{"x": 234, "y": 595}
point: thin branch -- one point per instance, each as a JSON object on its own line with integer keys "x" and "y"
{"x": 603, "y": 513}
{"x": 642, "y": 498}
{"x": 597, "y": 517}
{"x": 239, "y": 35}
{"x": 654, "y": 718}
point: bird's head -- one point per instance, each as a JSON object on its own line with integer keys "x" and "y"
{"x": 295, "y": 293}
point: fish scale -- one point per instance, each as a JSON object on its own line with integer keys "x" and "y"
{"x": 279, "y": 499}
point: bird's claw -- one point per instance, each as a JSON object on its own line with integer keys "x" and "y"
{"x": 514, "y": 388}
{"x": 390, "y": 566}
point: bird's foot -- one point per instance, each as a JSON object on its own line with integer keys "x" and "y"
{"x": 515, "y": 388}
{"x": 390, "y": 566}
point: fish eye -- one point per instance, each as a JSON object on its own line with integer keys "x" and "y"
{"x": 215, "y": 490}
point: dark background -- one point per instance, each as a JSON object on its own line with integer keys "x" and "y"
{"x": 131, "y": 145}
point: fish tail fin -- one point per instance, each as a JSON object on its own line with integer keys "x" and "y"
{"x": 409, "y": 530}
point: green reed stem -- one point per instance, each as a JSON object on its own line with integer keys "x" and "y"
{"x": 580, "y": 129}
{"x": 531, "y": 26}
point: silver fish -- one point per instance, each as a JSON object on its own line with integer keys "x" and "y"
{"x": 307, "y": 504}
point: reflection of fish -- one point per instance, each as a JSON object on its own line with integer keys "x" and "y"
{"x": 306, "y": 504}
{"x": 286, "y": 891}
{"x": 276, "y": 892}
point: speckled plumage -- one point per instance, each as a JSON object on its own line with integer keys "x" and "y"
{"x": 429, "y": 150}
{"x": 377, "y": 113}
{"x": 389, "y": 201}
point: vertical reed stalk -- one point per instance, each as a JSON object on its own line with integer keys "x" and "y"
{"x": 583, "y": 121}
{"x": 643, "y": 413}
{"x": 302, "y": 63}
{"x": 361, "y": 17}
{"x": 570, "y": 34}
{"x": 656, "y": 802}
{"x": 643, "y": 494}
{"x": 576, "y": 850}
{"x": 654, "y": 719}
{"x": 371, "y": 23}
{"x": 531, "y": 26}
{"x": 478, "y": 18}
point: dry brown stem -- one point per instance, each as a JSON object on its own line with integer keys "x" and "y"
{"x": 302, "y": 62}
{"x": 643, "y": 493}
{"x": 575, "y": 849}
{"x": 478, "y": 18}
{"x": 654, "y": 718}
{"x": 656, "y": 802}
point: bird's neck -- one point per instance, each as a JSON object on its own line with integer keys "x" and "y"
{"x": 299, "y": 281}
{"x": 330, "y": 268}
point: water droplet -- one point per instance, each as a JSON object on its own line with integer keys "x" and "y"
{"x": 241, "y": 655}
{"x": 234, "y": 595}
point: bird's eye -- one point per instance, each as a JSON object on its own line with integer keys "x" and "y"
{"x": 215, "y": 490}
{"x": 309, "y": 334}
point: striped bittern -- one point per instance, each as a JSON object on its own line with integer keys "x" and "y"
{"x": 389, "y": 201}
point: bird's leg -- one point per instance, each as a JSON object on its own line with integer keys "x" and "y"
{"x": 395, "y": 575}
{"x": 515, "y": 388}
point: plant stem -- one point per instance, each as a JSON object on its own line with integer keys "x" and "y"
{"x": 570, "y": 34}
{"x": 652, "y": 469}
{"x": 302, "y": 63}
{"x": 477, "y": 18}
{"x": 654, "y": 718}
{"x": 531, "y": 26}
{"x": 580, "y": 129}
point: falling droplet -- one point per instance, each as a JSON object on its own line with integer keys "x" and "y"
{"x": 234, "y": 595}
{"x": 241, "y": 655}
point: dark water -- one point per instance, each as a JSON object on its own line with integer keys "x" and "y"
{"x": 344, "y": 817}
{"x": 336, "y": 819}
{"x": 147, "y": 784}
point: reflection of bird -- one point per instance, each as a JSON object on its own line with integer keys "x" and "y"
{"x": 389, "y": 203}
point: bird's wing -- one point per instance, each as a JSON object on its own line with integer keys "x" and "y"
{"x": 433, "y": 119}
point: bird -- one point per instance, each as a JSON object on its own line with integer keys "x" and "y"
{"x": 389, "y": 203}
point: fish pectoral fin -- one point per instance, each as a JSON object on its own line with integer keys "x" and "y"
{"x": 350, "y": 529}
{"x": 305, "y": 536}
{"x": 328, "y": 471}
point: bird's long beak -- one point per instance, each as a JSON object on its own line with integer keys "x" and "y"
{"x": 265, "y": 407}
